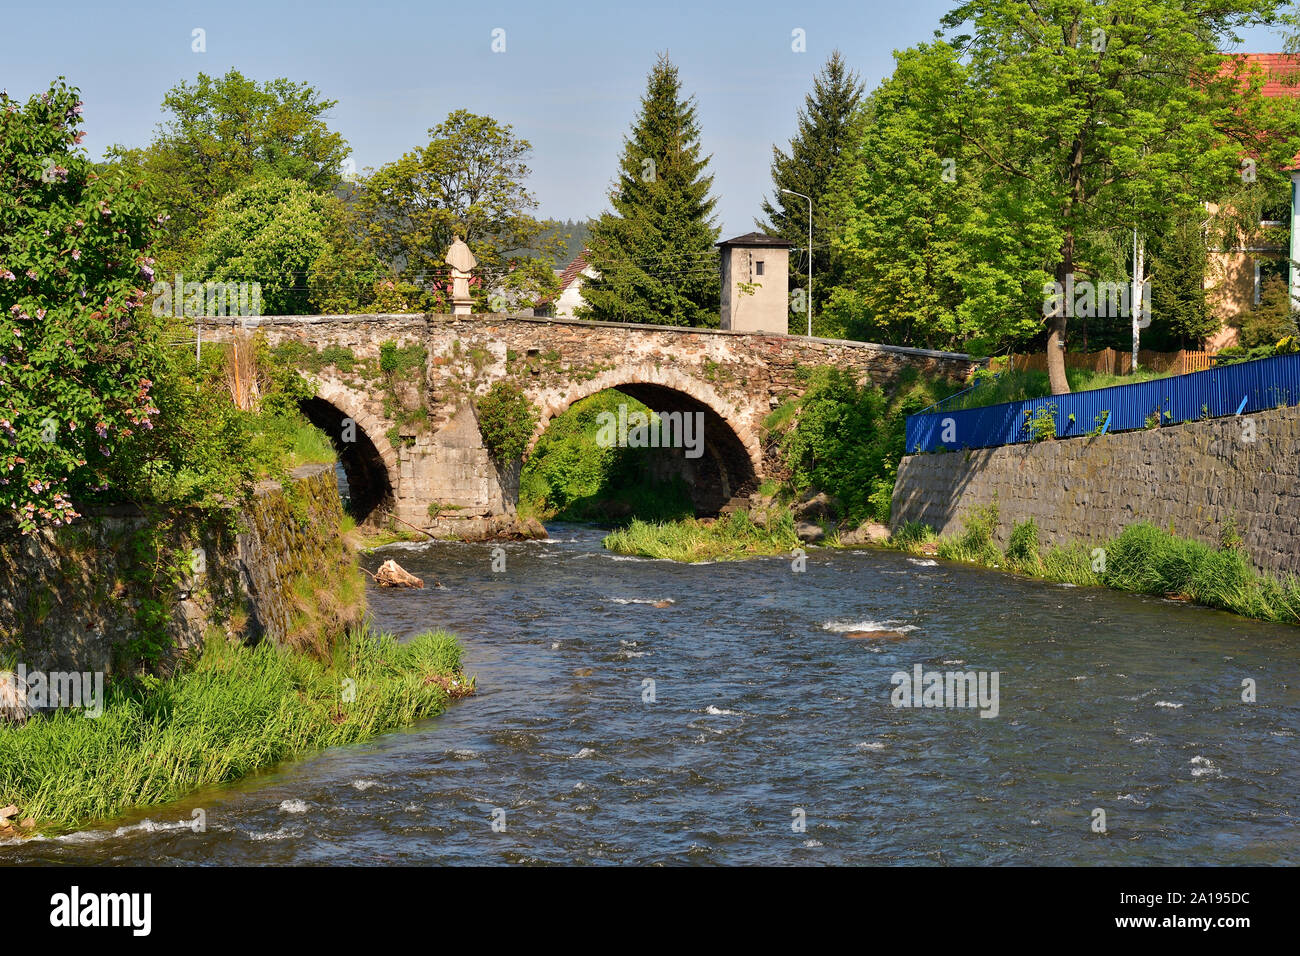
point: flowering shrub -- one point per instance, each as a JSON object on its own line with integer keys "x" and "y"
{"x": 77, "y": 352}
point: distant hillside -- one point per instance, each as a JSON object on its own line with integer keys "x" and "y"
{"x": 576, "y": 230}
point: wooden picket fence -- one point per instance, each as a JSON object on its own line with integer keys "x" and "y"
{"x": 1113, "y": 361}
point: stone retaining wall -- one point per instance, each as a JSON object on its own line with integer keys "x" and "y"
{"x": 79, "y": 598}
{"x": 1191, "y": 478}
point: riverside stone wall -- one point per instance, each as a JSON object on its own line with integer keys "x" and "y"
{"x": 80, "y": 598}
{"x": 1191, "y": 478}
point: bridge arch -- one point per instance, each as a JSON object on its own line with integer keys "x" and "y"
{"x": 730, "y": 444}
{"x": 370, "y": 463}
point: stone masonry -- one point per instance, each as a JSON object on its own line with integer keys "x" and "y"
{"x": 1191, "y": 478}
{"x": 439, "y": 476}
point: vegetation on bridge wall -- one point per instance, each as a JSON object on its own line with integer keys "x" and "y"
{"x": 506, "y": 420}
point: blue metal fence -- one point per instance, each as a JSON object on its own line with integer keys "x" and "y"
{"x": 1223, "y": 390}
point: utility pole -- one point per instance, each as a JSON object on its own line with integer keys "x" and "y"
{"x": 1135, "y": 298}
{"x": 810, "y": 254}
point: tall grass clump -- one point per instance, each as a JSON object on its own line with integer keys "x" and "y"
{"x": 911, "y": 534}
{"x": 1071, "y": 564}
{"x": 1022, "y": 546}
{"x": 238, "y": 710}
{"x": 311, "y": 446}
{"x": 1143, "y": 559}
{"x": 736, "y": 536}
{"x": 976, "y": 541}
{"x": 1151, "y": 560}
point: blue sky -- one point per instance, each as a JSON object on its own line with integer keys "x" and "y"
{"x": 569, "y": 80}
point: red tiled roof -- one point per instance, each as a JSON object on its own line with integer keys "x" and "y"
{"x": 1282, "y": 71}
{"x": 568, "y": 276}
{"x": 1281, "y": 77}
{"x": 574, "y": 270}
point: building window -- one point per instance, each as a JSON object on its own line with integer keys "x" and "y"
{"x": 1276, "y": 216}
{"x": 758, "y": 267}
{"x": 1266, "y": 271}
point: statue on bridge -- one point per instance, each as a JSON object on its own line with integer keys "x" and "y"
{"x": 462, "y": 264}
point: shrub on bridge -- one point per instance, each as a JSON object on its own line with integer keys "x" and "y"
{"x": 840, "y": 443}
{"x": 506, "y": 419}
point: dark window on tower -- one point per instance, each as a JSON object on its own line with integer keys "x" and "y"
{"x": 758, "y": 267}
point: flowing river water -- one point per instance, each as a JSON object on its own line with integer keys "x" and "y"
{"x": 771, "y": 737}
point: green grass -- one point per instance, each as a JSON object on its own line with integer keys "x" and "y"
{"x": 1014, "y": 386}
{"x": 735, "y": 536}
{"x": 975, "y": 543}
{"x": 310, "y": 446}
{"x": 238, "y": 710}
{"x": 781, "y": 417}
{"x": 1143, "y": 559}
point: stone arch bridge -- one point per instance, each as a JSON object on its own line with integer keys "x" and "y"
{"x": 400, "y": 390}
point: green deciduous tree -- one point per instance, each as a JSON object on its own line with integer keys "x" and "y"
{"x": 347, "y": 275}
{"x": 222, "y": 132}
{"x": 468, "y": 181}
{"x": 923, "y": 260}
{"x": 270, "y": 231}
{"x": 827, "y": 133}
{"x": 78, "y": 351}
{"x": 655, "y": 249}
{"x": 1098, "y": 115}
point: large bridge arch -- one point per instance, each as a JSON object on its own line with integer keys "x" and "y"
{"x": 369, "y": 462}
{"x": 730, "y": 444}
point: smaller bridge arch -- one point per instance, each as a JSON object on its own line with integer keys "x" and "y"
{"x": 369, "y": 462}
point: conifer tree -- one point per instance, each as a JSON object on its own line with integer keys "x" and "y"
{"x": 827, "y": 131}
{"x": 654, "y": 249}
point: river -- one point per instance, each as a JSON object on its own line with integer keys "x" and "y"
{"x": 771, "y": 737}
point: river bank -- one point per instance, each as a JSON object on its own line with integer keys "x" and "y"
{"x": 762, "y": 705}
{"x": 237, "y": 710}
{"x": 1143, "y": 559}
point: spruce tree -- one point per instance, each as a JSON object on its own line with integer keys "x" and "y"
{"x": 828, "y": 125}
{"x": 655, "y": 249}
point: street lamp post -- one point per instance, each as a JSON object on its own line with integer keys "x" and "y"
{"x": 810, "y": 256}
